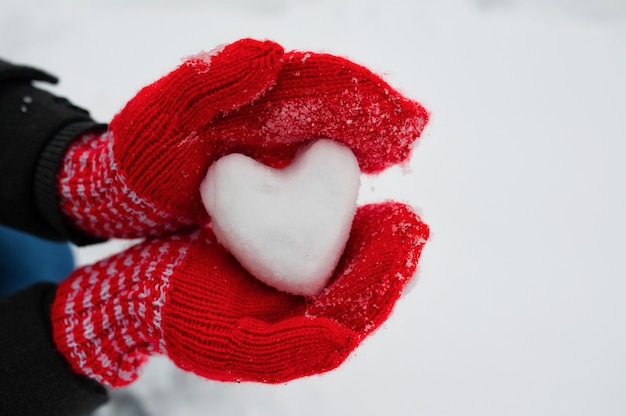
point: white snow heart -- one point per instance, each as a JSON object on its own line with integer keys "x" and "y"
{"x": 287, "y": 227}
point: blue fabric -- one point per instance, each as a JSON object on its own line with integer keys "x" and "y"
{"x": 25, "y": 260}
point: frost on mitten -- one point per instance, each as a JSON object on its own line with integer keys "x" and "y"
{"x": 321, "y": 96}
{"x": 184, "y": 296}
{"x": 141, "y": 177}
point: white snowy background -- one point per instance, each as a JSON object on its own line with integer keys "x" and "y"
{"x": 521, "y": 303}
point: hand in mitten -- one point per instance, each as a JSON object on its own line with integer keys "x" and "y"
{"x": 185, "y": 297}
{"x": 141, "y": 177}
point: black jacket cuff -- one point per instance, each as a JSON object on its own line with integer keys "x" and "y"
{"x": 35, "y": 379}
{"x": 36, "y": 127}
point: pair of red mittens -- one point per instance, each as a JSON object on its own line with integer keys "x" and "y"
{"x": 179, "y": 292}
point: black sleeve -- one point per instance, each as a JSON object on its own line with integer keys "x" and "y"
{"x": 36, "y": 128}
{"x": 35, "y": 379}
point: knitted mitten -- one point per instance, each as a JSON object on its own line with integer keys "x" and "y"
{"x": 184, "y": 296}
{"x": 142, "y": 176}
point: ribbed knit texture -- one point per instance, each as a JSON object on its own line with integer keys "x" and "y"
{"x": 96, "y": 195}
{"x": 107, "y": 317}
{"x": 249, "y": 98}
{"x": 46, "y": 186}
{"x": 184, "y": 296}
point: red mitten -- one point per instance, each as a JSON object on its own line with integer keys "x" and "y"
{"x": 186, "y": 297}
{"x": 141, "y": 177}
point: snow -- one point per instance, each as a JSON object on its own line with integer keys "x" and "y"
{"x": 520, "y": 308}
{"x": 204, "y": 57}
{"x": 288, "y": 227}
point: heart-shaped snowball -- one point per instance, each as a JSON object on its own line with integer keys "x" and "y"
{"x": 287, "y": 227}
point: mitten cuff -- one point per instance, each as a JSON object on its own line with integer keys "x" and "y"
{"x": 107, "y": 318}
{"x": 94, "y": 194}
{"x": 45, "y": 187}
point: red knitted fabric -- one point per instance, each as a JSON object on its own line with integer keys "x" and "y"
{"x": 97, "y": 197}
{"x": 142, "y": 177}
{"x": 184, "y": 296}
{"x": 322, "y": 96}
